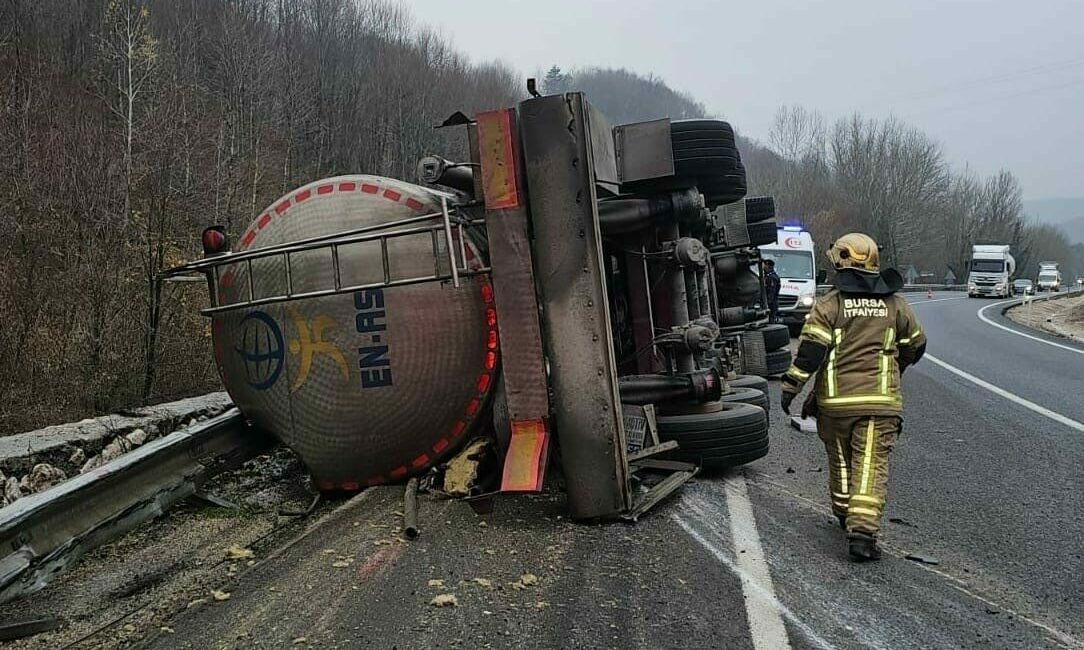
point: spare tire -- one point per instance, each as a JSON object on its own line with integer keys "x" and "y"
{"x": 736, "y": 435}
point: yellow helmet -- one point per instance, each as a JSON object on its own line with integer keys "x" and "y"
{"x": 855, "y": 251}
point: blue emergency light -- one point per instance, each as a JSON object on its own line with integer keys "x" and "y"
{"x": 792, "y": 228}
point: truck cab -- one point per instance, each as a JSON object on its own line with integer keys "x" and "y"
{"x": 991, "y": 274}
{"x": 797, "y": 268}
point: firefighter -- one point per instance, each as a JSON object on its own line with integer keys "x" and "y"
{"x": 858, "y": 340}
{"x": 772, "y": 284}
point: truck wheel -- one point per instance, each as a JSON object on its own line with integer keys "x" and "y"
{"x": 697, "y": 127}
{"x": 777, "y": 362}
{"x": 749, "y": 381}
{"x": 739, "y": 395}
{"x": 736, "y": 435}
{"x": 761, "y": 233}
{"x": 775, "y": 336}
{"x": 759, "y": 208}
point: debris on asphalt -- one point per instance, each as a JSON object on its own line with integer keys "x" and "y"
{"x": 238, "y": 553}
{"x": 901, "y": 521}
{"x": 525, "y": 580}
{"x": 924, "y": 559}
{"x": 790, "y": 470}
{"x": 445, "y": 600}
{"x": 482, "y": 582}
{"x": 461, "y": 472}
{"x": 436, "y": 584}
{"x": 299, "y": 640}
{"x": 220, "y": 595}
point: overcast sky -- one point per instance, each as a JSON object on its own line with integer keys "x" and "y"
{"x": 999, "y": 83}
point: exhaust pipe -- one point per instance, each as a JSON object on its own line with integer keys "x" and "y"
{"x": 435, "y": 170}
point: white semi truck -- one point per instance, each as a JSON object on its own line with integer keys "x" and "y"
{"x": 991, "y": 273}
{"x": 1049, "y": 277}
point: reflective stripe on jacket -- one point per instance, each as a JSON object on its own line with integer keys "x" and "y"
{"x": 865, "y": 339}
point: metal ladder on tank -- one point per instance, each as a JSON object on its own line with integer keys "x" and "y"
{"x": 456, "y": 259}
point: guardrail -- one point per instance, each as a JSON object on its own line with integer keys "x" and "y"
{"x": 908, "y": 288}
{"x": 43, "y": 534}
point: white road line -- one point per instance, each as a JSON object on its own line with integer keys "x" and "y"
{"x": 1045, "y": 412}
{"x": 761, "y": 605}
{"x": 765, "y": 595}
{"x": 923, "y": 302}
{"x": 982, "y": 316}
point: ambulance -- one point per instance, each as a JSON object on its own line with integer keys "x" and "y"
{"x": 792, "y": 253}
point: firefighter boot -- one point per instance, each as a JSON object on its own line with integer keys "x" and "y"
{"x": 863, "y": 547}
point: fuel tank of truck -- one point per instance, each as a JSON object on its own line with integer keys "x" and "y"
{"x": 367, "y": 386}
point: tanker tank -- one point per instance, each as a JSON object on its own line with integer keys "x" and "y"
{"x": 367, "y": 386}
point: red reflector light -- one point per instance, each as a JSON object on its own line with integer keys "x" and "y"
{"x": 525, "y": 461}
{"x": 491, "y": 342}
{"x": 491, "y": 360}
{"x": 215, "y": 240}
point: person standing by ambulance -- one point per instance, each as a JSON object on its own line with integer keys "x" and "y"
{"x": 772, "y": 284}
{"x": 858, "y": 340}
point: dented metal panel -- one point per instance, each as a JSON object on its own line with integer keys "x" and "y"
{"x": 559, "y": 160}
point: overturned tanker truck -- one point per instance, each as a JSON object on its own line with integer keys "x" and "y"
{"x": 561, "y": 291}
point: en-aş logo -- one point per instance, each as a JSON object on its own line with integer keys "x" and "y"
{"x": 261, "y": 349}
{"x": 793, "y": 242}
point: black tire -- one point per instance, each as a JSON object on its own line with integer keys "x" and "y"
{"x": 682, "y": 127}
{"x": 736, "y": 435}
{"x": 739, "y": 395}
{"x": 759, "y": 208}
{"x": 720, "y": 143}
{"x": 775, "y": 336}
{"x": 778, "y": 361}
{"x": 749, "y": 381}
{"x": 764, "y": 232}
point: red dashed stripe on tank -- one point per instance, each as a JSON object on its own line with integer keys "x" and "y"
{"x": 323, "y": 190}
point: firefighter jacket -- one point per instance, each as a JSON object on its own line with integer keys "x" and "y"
{"x": 858, "y": 339}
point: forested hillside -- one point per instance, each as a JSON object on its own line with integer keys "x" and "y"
{"x": 130, "y": 125}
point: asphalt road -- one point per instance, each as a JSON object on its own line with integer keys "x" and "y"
{"x": 987, "y": 487}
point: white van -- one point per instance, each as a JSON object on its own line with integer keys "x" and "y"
{"x": 792, "y": 253}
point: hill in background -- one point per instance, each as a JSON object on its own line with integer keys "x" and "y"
{"x": 1067, "y": 213}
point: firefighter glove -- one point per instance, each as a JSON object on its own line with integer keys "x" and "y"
{"x": 785, "y": 400}
{"x": 809, "y": 406}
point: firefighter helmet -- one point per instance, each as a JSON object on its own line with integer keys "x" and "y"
{"x": 855, "y": 251}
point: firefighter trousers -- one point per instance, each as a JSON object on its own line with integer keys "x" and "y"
{"x": 858, "y": 448}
